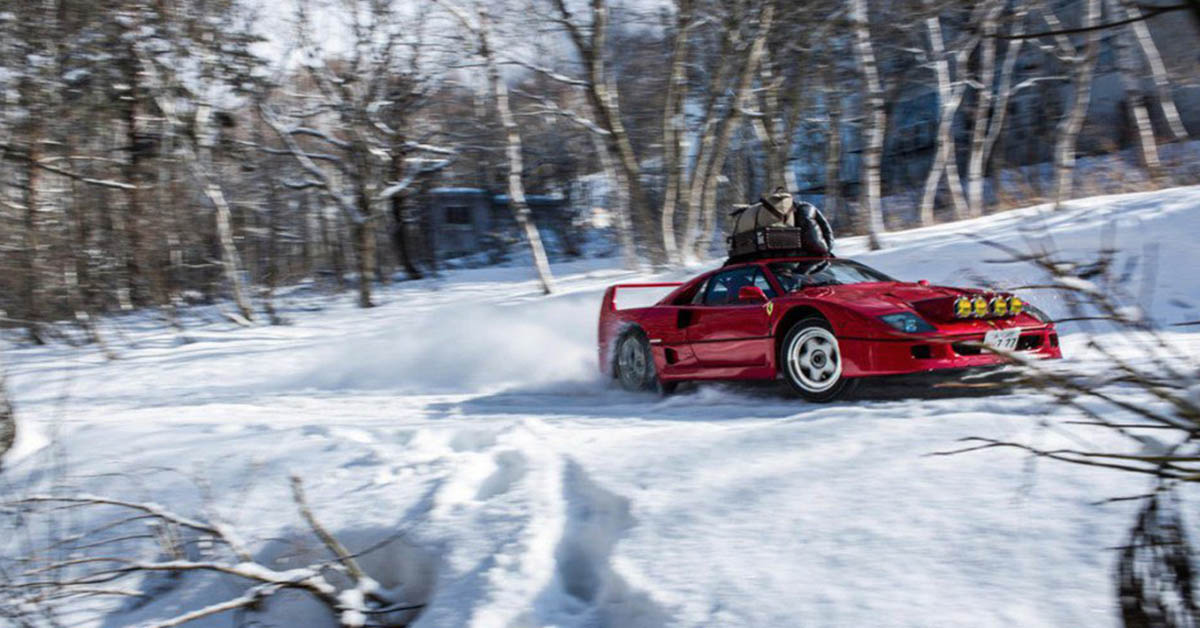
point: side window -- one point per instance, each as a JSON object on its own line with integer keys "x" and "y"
{"x": 723, "y": 287}
{"x": 760, "y": 280}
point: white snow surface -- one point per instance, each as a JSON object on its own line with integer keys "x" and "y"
{"x": 468, "y": 411}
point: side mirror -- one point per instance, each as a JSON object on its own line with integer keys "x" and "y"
{"x": 751, "y": 294}
{"x": 923, "y": 282}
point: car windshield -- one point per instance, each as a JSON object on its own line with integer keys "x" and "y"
{"x": 796, "y": 275}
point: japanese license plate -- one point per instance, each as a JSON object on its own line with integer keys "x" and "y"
{"x": 1002, "y": 339}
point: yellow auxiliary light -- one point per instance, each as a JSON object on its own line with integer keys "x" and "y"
{"x": 981, "y": 307}
{"x": 1015, "y": 305}
{"x": 962, "y": 307}
{"x": 999, "y": 306}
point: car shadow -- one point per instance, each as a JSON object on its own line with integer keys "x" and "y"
{"x": 705, "y": 401}
{"x": 942, "y": 385}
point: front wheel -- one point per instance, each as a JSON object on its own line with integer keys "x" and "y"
{"x": 633, "y": 364}
{"x": 811, "y": 361}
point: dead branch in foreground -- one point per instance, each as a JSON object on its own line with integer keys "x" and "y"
{"x": 1150, "y": 386}
{"x": 104, "y": 559}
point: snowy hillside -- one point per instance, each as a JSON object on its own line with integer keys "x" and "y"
{"x": 468, "y": 412}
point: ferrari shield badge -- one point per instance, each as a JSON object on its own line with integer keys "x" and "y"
{"x": 770, "y": 308}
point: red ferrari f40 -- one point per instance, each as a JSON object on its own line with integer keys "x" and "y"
{"x": 821, "y": 323}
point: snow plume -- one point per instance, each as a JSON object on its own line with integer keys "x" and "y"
{"x": 467, "y": 348}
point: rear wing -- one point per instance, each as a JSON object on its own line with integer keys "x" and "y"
{"x": 610, "y": 295}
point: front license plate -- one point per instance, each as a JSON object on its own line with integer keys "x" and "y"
{"x": 1002, "y": 339}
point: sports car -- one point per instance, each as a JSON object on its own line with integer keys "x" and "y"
{"x": 820, "y": 323}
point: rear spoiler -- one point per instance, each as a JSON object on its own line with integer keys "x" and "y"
{"x": 610, "y": 295}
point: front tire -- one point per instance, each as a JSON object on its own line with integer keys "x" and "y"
{"x": 633, "y": 364}
{"x": 810, "y": 359}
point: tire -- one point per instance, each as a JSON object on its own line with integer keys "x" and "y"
{"x": 811, "y": 361}
{"x": 633, "y": 364}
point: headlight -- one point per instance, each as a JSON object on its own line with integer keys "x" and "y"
{"x": 907, "y": 322}
{"x": 1015, "y": 305}
{"x": 981, "y": 307}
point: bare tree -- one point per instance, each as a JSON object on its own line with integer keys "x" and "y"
{"x": 353, "y": 156}
{"x": 1158, "y": 71}
{"x": 832, "y": 95}
{"x": 993, "y": 95}
{"x": 950, "y": 96}
{"x": 742, "y": 44}
{"x": 158, "y": 63}
{"x": 874, "y": 126}
{"x": 1135, "y": 99}
{"x": 1082, "y": 63}
{"x": 480, "y": 27}
{"x": 702, "y": 193}
{"x": 590, "y": 43}
{"x": 675, "y": 126}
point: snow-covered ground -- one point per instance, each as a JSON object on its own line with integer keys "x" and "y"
{"x": 468, "y": 412}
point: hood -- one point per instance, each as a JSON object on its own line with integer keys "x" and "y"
{"x": 934, "y": 303}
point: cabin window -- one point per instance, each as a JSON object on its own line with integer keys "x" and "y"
{"x": 458, "y": 215}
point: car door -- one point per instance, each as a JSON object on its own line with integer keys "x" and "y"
{"x": 723, "y": 331}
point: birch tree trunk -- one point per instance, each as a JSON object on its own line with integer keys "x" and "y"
{"x": 673, "y": 127}
{"x": 1157, "y": 70}
{"x": 1069, "y": 126}
{"x": 698, "y": 242}
{"x": 985, "y": 92}
{"x": 875, "y": 122}
{"x": 1135, "y": 98}
{"x": 949, "y": 99}
{"x": 231, "y": 264}
{"x": 516, "y": 188}
{"x": 694, "y": 199}
{"x": 981, "y": 161}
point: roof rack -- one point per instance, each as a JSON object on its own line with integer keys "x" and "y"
{"x": 767, "y": 242}
{"x": 761, "y": 255}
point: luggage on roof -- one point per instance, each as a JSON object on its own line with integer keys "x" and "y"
{"x": 777, "y": 226}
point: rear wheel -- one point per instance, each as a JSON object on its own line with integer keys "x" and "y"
{"x": 633, "y": 364}
{"x": 811, "y": 361}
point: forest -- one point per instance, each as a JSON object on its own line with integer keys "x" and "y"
{"x": 155, "y": 154}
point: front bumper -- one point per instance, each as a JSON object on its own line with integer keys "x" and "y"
{"x": 894, "y": 356}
